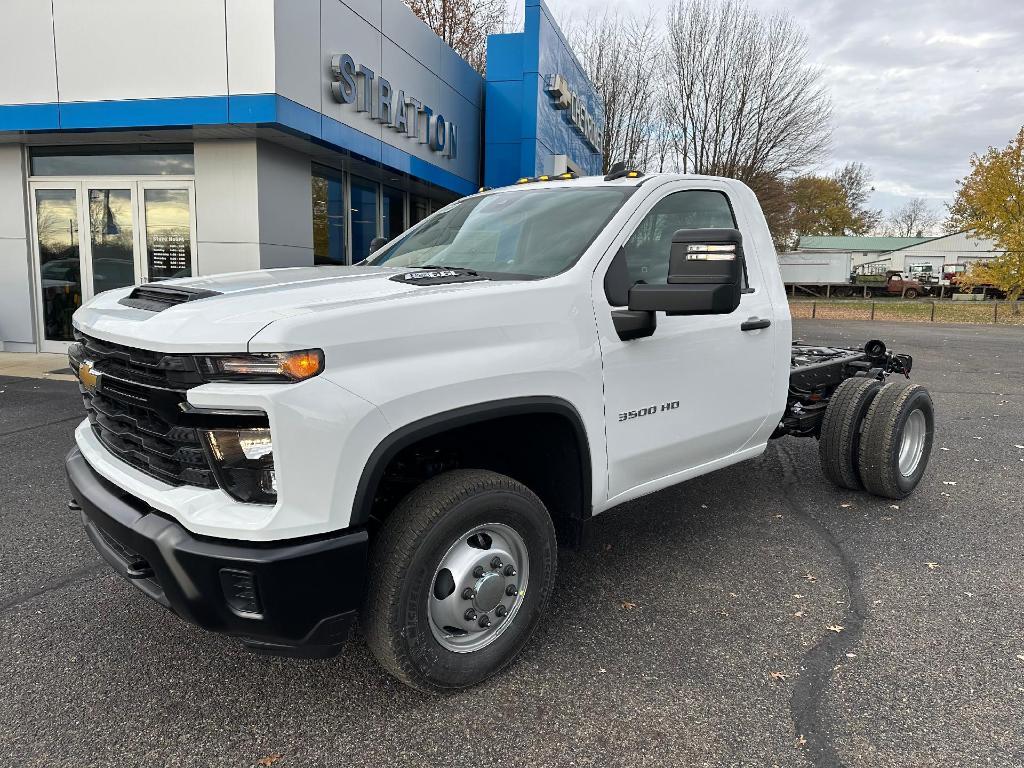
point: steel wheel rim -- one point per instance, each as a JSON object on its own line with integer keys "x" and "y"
{"x": 483, "y": 566}
{"x": 915, "y": 432}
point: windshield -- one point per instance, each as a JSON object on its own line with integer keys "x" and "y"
{"x": 525, "y": 233}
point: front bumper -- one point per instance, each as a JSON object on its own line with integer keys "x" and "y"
{"x": 293, "y": 599}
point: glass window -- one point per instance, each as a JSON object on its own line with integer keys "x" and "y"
{"x": 364, "y": 217}
{"x": 393, "y": 212}
{"x": 111, "y": 238}
{"x": 648, "y": 248}
{"x": 419, "y": 210}
{"x": 60, "y": 274}
{"x": 168, "y": 233}
{"x": 528, "y": 233}
{"x": 328, "y": 220}
{"x": 120, "y": 160}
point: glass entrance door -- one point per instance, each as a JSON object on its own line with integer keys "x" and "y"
{"x": 60, "y": 279}
{"x": 94, "y": 236}
{"x": 111, "y": 246}
{"x": 168, "y": 220}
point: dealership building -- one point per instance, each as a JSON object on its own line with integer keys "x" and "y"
{"x": 142, "y": 140}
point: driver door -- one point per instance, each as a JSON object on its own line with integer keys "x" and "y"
{"x": 699, "y": 388}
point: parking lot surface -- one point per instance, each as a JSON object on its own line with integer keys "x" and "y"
{"x": 755, "y": 616}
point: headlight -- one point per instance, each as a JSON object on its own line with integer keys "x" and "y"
{"x": 244, "y": 462}
{"x": 266, "y": 367}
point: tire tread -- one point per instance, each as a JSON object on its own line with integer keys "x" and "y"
{"x": 877, "y": 472}
{"x": 839, "y": 431}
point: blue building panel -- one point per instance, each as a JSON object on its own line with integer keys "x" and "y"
{"x": 531, "y": 59}
{"x": 503, "y": 113}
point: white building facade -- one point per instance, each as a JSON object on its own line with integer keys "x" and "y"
{"x": 147, "y": 139}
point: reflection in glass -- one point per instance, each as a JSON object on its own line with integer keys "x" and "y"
{"x": 364, "y": 217}
{"x": 393, "y": 212}
{"x": 328, "y": 221}
{"x": 419, "y": 210}
{"x": 112, "y": 238}
{"x": 59, "y": 266}
{"x": 117, "y": 160}
{"x": 168, "y": 233}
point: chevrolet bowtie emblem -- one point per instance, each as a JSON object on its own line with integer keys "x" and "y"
{"x": 89, "y": 377}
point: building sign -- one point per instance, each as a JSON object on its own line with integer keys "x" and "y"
{"x": 373, "y": 94}
{"x": 576, "y": 112}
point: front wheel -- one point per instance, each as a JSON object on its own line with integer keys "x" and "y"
{"x": 459, "y": 576}
{"x": 911, "y": 293}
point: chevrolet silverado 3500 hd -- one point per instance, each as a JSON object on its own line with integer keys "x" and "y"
{"x": 270, "y": 454}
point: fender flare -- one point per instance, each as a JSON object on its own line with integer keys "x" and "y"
{"x": 415, "y": 431}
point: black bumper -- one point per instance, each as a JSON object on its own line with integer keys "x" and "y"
{"x": 293, "y": 599}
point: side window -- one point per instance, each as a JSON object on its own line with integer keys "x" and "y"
{"x": 647, "y": 250}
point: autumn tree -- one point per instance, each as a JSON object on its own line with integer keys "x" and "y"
{"x": 819, "y": 207}
{"x": 989, "y": 203}
{"x": 463, "y": 24}
{"x": 912, "y": 219}
{"x": 831, "y": 205}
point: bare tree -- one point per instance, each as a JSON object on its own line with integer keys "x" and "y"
{"x": 747, "y": 103}
{"x": 915, "y": 218}
{"x": 463, "y": 24}
{"x": 855, "y": 181}
{"x": 622, "y": 57}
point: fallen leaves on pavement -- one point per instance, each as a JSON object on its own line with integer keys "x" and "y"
{"x": 778, "y": 677}
{"x": 932, "y": 566}
{"x": 836, "y": 628}
{"x": 269, "y": 759}
{"x": 628, "y": 605}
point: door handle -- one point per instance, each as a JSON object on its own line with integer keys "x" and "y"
{"x": 755, "y": 324}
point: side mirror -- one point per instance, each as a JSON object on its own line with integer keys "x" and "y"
{"x": 377, "y": 243}
{"x": 705, "y": 275}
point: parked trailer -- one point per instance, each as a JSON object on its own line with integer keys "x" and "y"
{"x": 815, "y": 268}
{"x": 819, "y": 274}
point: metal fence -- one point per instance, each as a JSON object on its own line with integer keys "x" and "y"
{"x": 984, "y": 312}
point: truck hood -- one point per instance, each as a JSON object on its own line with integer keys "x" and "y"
{"x": 246, "y": 302}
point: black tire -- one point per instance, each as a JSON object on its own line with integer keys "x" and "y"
{"x": 868, "y": 293}
{"x": 839, "y": 442}
{"x": 406, "y": 554}
{"x": 911, "y": 293}
{"x": 882, "y": 438}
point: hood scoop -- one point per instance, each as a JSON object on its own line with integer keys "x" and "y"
{"x": 156, "y": 298}
{"x": 437, "y": 276}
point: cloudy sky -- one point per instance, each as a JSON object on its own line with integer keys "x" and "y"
{"x": 917, "y": 85}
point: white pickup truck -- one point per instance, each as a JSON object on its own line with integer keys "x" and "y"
{"x": 270, "y": 454}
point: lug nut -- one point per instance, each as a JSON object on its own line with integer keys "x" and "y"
{"x": 478, "y": 572}
{"x": 470, "y": 615}
{"x": 500, "y": 611}
{"x": 485, "y": 621}
{"x": 496, "y": 563}
{"x": 511, "y": 590}
{"x": 510, "y": 570}
{"x": 468, "y": 593}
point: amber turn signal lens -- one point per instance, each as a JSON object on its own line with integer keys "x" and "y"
{"x": 302, "y": 365}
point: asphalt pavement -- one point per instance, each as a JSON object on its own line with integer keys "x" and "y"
{"x": 755, "y": 616}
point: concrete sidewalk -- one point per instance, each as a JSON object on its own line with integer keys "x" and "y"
{"x": 35, "y": 366}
